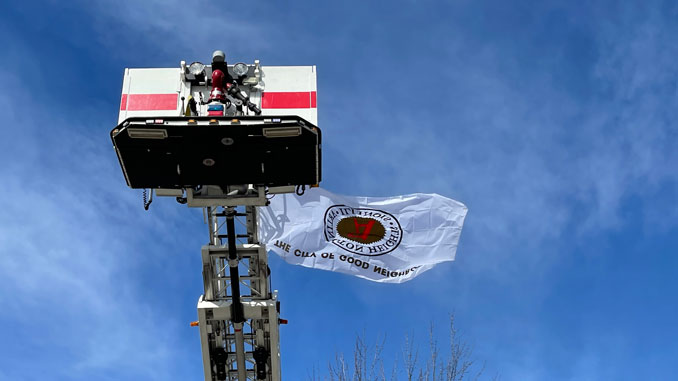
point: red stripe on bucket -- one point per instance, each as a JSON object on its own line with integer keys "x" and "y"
{"x": 147, "y": 102}
{"x": 298, "y": 99}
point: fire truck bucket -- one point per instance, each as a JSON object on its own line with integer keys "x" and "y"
{"x": 183, "y": 152}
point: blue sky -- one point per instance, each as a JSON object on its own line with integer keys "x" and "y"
{"x": 554, "y": 121}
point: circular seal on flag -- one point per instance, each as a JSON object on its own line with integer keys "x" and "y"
{"x": 362, "y": 231}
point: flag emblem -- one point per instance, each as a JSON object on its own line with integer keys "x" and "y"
{"x": 362, "y": 231}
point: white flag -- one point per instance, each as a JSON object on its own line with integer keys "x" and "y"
{"x": 384, "y": 239}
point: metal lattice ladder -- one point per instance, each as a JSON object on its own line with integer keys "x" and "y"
{"x": 238, "y": 314}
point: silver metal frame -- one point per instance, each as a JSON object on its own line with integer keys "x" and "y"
{"x": 260, "y": 307}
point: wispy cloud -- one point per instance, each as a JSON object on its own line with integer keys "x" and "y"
{"x": 177, "y": 30}
{"x": 71, "y": 257}
{"x": 530, "y": 157}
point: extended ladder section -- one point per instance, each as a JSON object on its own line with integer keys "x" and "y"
{"x": 224, "y": 138}
{"x": 238, "y": 313}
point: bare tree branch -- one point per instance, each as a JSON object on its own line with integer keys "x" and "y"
{"x": 368, "y": 364}
{"x": 410, "y": 357}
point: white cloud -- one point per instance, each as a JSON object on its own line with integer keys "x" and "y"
{"x": 176, "y": 30}
{"x": 529, "y": 157}
{"x": 71, "y": 255}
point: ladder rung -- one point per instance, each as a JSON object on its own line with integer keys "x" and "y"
{"x": 225, "y": 236}
{"x": 242, "y": 277}
{"x": 222, "y": 214}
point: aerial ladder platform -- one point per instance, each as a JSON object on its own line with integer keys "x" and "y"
{"x": 224, "y": 138}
